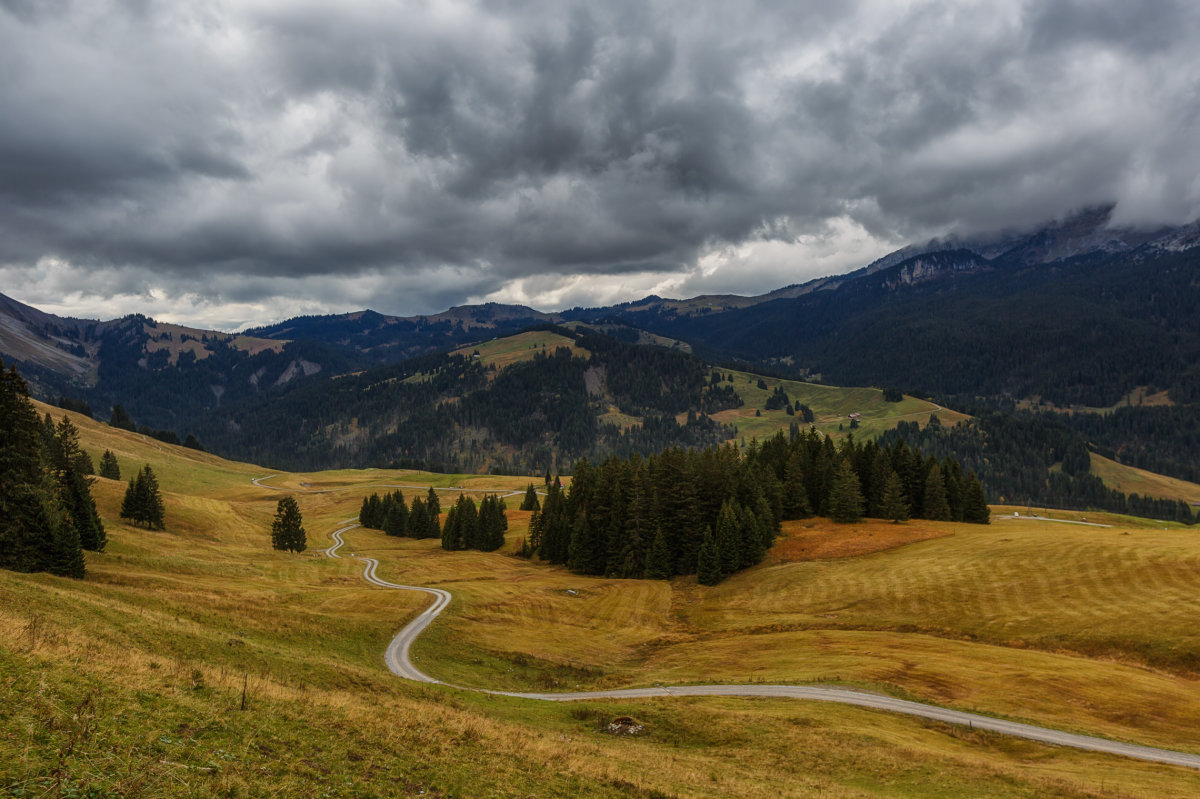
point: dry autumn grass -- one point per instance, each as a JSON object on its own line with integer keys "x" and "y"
{"x": 130, "y": 683}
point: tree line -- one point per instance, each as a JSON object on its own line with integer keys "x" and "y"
{"x": 49, "y": 514}
{"x": 1032, "y": 459}
{"x": 716, "y": 511}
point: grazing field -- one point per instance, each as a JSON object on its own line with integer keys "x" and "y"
{"x": 130, "y": 683}
{"x": 831, "y": 405}
{"x": 502, "y": 352}
{"x": 1132, "y": 480}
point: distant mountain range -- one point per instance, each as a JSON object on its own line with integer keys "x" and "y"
{"x": 1075, "y": 312}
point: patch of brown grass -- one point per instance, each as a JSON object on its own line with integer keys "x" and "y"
{"x": 822, "y": 539}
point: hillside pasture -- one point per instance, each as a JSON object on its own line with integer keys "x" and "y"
{"x": 831, "y": 405}
{"x": 1132, "y": 480}
{"x": 131, "y": 682}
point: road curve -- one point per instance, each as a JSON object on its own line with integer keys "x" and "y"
{"x": 400, "y": 663}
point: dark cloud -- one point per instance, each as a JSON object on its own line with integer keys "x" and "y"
{"x": 327, "y": 156}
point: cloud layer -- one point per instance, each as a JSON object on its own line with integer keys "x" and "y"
{"x": 222, "y": 164}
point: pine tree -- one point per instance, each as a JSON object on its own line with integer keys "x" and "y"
{"x": 975, "y": 507}
{"x": 374, "y": 512}
{"x": 795, "y": 496}
{"x": 66, "y": 557}
{"x": 109, "y": 468}
{"x": 74, "y": 486}
{"x": 143, "y": 503}
{"x": 287, "y": 531}
{"x": 531, "y": 499}
{"x": 129, "y": 503}
{"x": 893, "y": 505}
{"x": 82, "y": 463}
{"x": 936, "y": 507}
{"x": 31, "y": 518}
{"x": 152, "y": 500}
{"x": 432, "y": 504}
{"x": 658, "y": 558}
{"x": 493, "y": 523}
{"x": 728, "y": 538}
{"x": 452, "y": 530}
{"x": 395, "y": 522}
{"x": 418, "y": 519}
{"x": 119, "y": 418}
{"x": 708, "y": 561}
{"x": 845, "y": 497}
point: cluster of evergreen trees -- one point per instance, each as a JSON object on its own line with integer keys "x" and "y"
{"x": 143, "y": 502}
{"x": 468, "y": 528}
{"x": 713, "y": 512}
{"x": 649, "y": 517}
{"x": 49, "y": 514}
{"x": 389, "y": 514}
{"x": 851, "y": 480}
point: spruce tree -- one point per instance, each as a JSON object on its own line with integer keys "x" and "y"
{"x": 708, "y": 561}
{"x": 119, "y": 418}
{"x": 152, "y": 500}
{"x": 493, "y": 523}
{"x": 795, "y": 496}
{"x": 374, "y": 512}
{"x": 975, "y": 507}
{"x": 845, "y": 497}
{"x": 936, "y": 507}
{"x": 287, "y": 531}
{"x": 658, "y": 558}
{"x": 66, "y": 556}
{"x": 432, "y": 504}
{"x": 109, "y": 468}
{"x": 418, "y": 519}
{"x": 364, "y": 513}
{"x": 894, "y": 506}
{"x": 728, "y": 538}
{"x": 452, "y": 538}
{"x": 143, "y": 503}
{"x": 28, "y": 495}
{"x": 531, "y": 499}
{"x": 74, "y": 487}
{"x": 82, "y": 463}
{"x": 395, "y": 522}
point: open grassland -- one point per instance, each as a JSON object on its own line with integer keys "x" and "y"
{"x": 130, "y": 683}
{"x": 1132, "y": 480}
{"x": 503, "y": 352}
{"x": 832, "y": 406}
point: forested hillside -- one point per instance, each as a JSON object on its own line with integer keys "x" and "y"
{"x": 1026, "y": 458}
{"x": 1086, "y": 330}
{"x": 454, "y": 412}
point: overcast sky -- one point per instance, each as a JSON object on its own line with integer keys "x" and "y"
{"x": 222, "y": 164}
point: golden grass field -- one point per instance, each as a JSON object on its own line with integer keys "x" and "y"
{"x": 130, "y": 683}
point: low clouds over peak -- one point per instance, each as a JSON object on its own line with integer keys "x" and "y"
{"x": 238, "y": 162}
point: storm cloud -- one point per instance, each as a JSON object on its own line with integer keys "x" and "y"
{"x": 228, "y": 163}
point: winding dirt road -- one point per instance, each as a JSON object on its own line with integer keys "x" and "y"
{"x": 400, "y": 663}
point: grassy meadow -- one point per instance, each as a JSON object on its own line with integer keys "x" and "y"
{"x": 131, "y": 682}
{"x": 832, "y": 406}
{"x": 1132, "y": 480}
